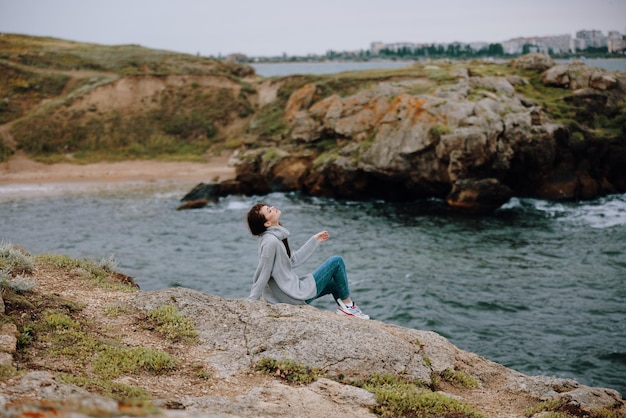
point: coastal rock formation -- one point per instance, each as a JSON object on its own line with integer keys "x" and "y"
{"x": 236, "y": 335}
{"x": 473, "y": 131}
{"x": 79, "y": 339}
{"x": 430, "y": 130}
{"x": 200, "y": 196}
{"x": 242, "y": 333}
{"x": 577, "y": 75}
{"x": 478, "y": 196}
{"x": 534, "y": 62}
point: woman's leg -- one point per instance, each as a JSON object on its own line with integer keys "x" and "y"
{"x": 331, "y": 278}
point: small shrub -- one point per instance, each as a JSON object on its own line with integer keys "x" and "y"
{"x": 605, "y": 413}
{"x": 4, "y": 281}
{"x": 578, "y": 136}
{"x": 327, "y": 145}
{"x": 437, "y": 131}
{"x": 113, "y": 361}
{"x": 6, "y": 372}
{"x": 272, "y": 154}
{"x": 26, "y": 336}
{"x": 201, "y": 372}
{"x": 14, "y": 260}
{"x": 116, "y": 311}
{"x": 559, "y": 408}
{"x": 268, "y": 121}
{"x": 58, "y": 321}
{"x": 20, "y": 284}
{"x": 552, "y": 405}
{"x": 128, "y": 394}
{"x": 398, "y": 398}
{"x": 246, "y": 88}
{"x": 288, "y": 370}
{"x": 95, "y": 271}
{"x": 172, "y": 324}
{"x": 324, "y": 159}
{"x": 459, "y": 379}
{"x": 232, "y": 143}
{"x": 109, "y": 264}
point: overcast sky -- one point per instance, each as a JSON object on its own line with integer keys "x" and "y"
{"x": 274, "y": 27}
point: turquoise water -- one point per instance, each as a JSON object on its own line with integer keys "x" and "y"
{"x": 539, "y": 287}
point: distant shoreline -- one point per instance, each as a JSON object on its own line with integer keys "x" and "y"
{"x": 21, "y": 175}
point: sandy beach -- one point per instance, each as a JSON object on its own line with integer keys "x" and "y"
{"x": 21, "y": 174}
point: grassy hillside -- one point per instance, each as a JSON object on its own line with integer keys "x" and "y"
{"x": 57, "y": 54}
{"x": 82, "y": 346}
{"x": 58, "y": 100}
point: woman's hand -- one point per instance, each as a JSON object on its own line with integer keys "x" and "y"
{"x": 322, "y": 236}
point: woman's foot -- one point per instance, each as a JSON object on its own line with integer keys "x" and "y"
{"x": 350, "y": 310}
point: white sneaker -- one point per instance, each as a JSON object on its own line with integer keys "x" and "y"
{"x": 352, "y": 311}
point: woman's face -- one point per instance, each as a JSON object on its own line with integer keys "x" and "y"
{"x": 271, "y": 214}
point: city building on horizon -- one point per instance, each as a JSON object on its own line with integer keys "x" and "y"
{"x": 615, "y": 42}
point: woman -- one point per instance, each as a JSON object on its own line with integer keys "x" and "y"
{"x": 275, "y": 280}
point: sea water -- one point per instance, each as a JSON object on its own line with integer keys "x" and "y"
{"x": 281, "y": 69}
{"x": 537, "y": 286}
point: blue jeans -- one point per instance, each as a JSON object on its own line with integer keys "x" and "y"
{"x": 331, "y": 278}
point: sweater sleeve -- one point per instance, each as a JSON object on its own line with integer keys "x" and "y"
{"x": 305, "y": 252}
{"x": 267, "y": 256}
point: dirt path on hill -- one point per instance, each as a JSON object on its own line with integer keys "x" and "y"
{"x": 5, "y": 134}
{"x": 69, "y": 73}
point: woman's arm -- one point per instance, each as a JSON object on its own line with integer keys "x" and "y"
{"x": 267, "y": 255}
{"x": 307, "y": 250}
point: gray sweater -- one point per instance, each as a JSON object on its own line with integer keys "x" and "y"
{"x": 274, "y": 278}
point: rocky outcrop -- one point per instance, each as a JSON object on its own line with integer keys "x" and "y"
{"x": 577, "y": 75}
{"x": 475, "y": 141}
{"x": 534, "y": 62}
{"x": 242, "y": 333}
{"x": 478, "y": 196}
{"x": 48, "y": 397}
{"x": 8, "y": 343}
{"x": 237, "y": 334}
{"x": 200, "y": 196}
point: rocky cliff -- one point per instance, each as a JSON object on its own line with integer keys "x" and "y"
{"x": 473, "y": 133}
{"x": 80, "y": 339}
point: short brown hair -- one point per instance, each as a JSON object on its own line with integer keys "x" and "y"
{"x": 256, "y": 223}
{"x": 256, "y": 220}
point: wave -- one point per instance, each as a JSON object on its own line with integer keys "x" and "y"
{"x": 605, "y": 212}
